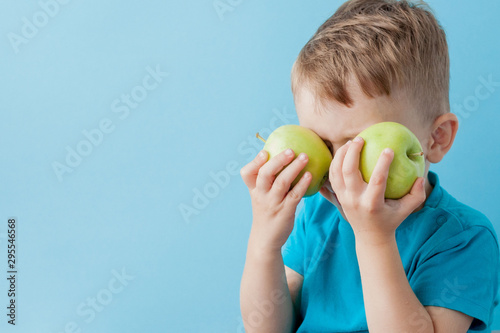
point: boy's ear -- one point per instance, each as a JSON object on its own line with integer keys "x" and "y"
{"x": 443, "y": 134}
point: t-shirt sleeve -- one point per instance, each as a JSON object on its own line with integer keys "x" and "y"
{"x": 293, "y": 251}
{"x": 461, "y": 273}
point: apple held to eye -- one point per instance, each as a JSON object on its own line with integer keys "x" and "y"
{"x": 408, "y": 163}
{"x": 302, "y": 140}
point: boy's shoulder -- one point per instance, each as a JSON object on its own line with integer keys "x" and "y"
{"x": 449, "y": 210}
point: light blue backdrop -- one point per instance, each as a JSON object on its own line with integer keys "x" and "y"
{"x": 123, "y": 126}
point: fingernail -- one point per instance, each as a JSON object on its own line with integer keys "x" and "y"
{"x": 262, "y": 154}
{"x": 289, "y": 152}
{"x": 302, "y": 156}
{"x": 358, "y": 139}
{"x": 348, "y": 143}
{"x": 387, "y": 151}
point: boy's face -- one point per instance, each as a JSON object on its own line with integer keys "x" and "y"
{"x": 336, "y": 123}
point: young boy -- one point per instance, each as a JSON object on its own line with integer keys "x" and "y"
{"x": 352, "y": 261}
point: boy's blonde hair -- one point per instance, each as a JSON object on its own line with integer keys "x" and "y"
{"x": 386, "y": 45}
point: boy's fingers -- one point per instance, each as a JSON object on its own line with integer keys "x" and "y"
{"x": 299, "y": 190}
{"x": 416, "y": 196}
{"x": 250, "y": 171}
{"x": 378, "y": 180}
{"x": 336, "y": 177}
{"x": 267, "y": 173}
{"x": 285, "y": 179}
{"x": 350, "y": 167}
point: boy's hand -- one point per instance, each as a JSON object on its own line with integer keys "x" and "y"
{"x": 372, "y": 217}
{"x": 273, "y": 203}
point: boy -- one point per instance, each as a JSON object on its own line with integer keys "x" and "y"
{"x": 352, "y": 261}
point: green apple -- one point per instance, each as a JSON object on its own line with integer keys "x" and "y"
{"x": 302, "y": 140}
{"x": 408, "y": 163}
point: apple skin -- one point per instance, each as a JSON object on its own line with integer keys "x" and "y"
{"x": 302, "y": 140}
{"x": 405, "y": 168}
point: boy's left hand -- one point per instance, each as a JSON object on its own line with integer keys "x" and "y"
{"x": 372, "y": 217}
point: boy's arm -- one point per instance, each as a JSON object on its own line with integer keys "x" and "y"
{"x": 269, "y": 292}
{"x": 447, "y": 320}
{"x": 390, "y": 303}
{"x": 265, "y": 299}
{"x": 294, "y": 281}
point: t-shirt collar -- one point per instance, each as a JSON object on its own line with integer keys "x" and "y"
{"x": 437, "y": 191}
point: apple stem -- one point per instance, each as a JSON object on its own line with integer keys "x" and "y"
{"x": 417, "y": 154}
{"x": 259, "y": 137}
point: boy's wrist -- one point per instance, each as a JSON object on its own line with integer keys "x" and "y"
{"x": 371, "y": 239}
{"x": 263, "y": 255}
{"x": 260, "y": 250}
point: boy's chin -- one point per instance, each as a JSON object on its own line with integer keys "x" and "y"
{"x": 329, "y": 195}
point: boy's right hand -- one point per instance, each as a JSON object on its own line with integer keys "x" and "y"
{"x": 273, "y": 202}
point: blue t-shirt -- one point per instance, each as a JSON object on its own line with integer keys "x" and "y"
{"x": 449, "y": 252}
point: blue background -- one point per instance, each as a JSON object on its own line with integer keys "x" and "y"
{"x": 119, "y": 211}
